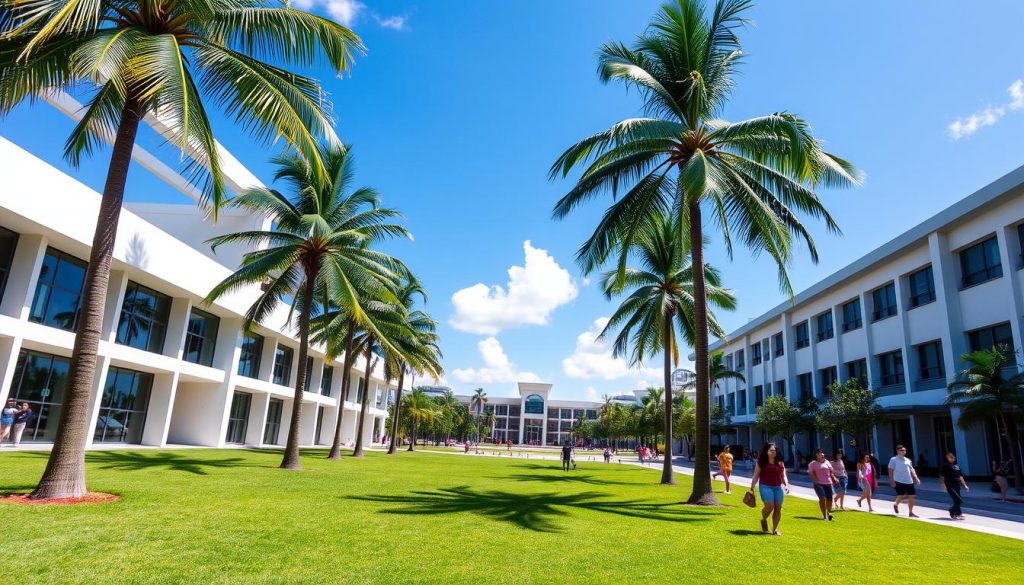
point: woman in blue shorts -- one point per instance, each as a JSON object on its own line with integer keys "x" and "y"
{"x": 770, "y": 473}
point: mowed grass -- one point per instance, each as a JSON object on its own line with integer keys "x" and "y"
{"x": 228, "y": 516}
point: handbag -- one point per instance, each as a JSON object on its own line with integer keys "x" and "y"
{"x": 749, "y": 499}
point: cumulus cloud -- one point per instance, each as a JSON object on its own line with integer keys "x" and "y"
{"x": 593, "y": 358}
{"x": 534, "y": 290}
{"x": 348, "y": 12}
{"x": 497, "y": 367}
{"x": 592, "y": 395}
{"x": 968, "y": 125}
{"x": 392, "y": 22}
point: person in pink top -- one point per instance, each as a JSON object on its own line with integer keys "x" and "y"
{"x": 823, "y": 476}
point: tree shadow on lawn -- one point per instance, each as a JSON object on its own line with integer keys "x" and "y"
{"x": 535, "y": 512}
{"x": 571, "y": 477}
{"x": 144, "y": 460}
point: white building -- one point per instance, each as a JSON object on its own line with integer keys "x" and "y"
{"x": 899, "y": 317}
{"x": 532, "y": 418}
{"x": 170, "y": 370}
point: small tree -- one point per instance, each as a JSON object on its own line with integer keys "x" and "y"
{"x": 781, "y": 418}
{"x": 685, "y": 423}
{"x": 584, "y": 430}
{"x": 851, "y": 409}
{"x": 721, "y": 421}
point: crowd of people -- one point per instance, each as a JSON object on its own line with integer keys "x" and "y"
{"x": 13, "y": 419}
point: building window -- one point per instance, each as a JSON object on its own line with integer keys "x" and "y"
{"x": 824, "y": 324}
{"x": 249, "y": 360}
{"x": 40, "y": 379}
{"x": 273, "y": 426}
{"x": 758, "y": 396}
{"x": 325, "y": 380}
{"x": 780, "y": 387}
{"x": 980, "y": 263}
{"x": 534, "y": 404}
{"x": 739, "y": 360}
{"x": 884, "y": 301}
{"x": 58, "y": 291}
{"x": 804, "y": 382}
{"x": 828, "y": 376}
{"x": 989, "y": 337}
{"x": 123, "y": 410}
{"x": 730, "y": 403}
{"x": 944, "y": 438}
{"x": 144, "y": 314}
{"x": 922, "y": 287}
{"x": 803, "y": 335}
{"x": 741, "y": 401}
{"x": 283, "y": 365}
{"x": 857, "y": 370}
{"x": 779, "y": 346}
{"x": 851, "y": 315}
{"x": 890, "y": 368}
{"x": 929, "y": 358}
{"x": 201, "y": 337}
{"x": 756, "y": 353}
{"x": 238, "y": 418}
{"x": 8, "y": 244}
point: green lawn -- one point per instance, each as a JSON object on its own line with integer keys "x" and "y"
{"x": 229, "y": 516}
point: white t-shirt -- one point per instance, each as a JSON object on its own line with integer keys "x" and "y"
{"x": 901, "y": 469}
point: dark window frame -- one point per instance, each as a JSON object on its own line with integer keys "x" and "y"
{"x": 150, "y": 322}
{"x": 39, "y": 311}
{"x": 890, "y": 368}
{"x": 923, "y": 297}
{"x": 973, "y": 276}
{"x": 934, "y": 371}
{"x": 779, "y": 345}
{"x": 249, "y": 359}
{"x": 755, "y": 356}
{"x": 828, "y": 331}
{"x": 8, "y": 247}
{"x": 882, "y": 311}
{"x": 995, "y": 338}
{"x": 282, "y": 373}
{"x": 802, "y": 334}
{"x": 852, "y": 321}
{"x": 204, "y": 343}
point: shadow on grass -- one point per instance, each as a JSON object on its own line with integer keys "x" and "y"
{"x": 562, "y": 477}
{"x": 147, "y": 460}
{"x": 739, "y": 532}
{"x": 536, "y": 512}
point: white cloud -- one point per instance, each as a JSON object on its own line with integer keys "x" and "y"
{"x": 585, "y": 281}
{"x": 497, "y": 367}
{"x": 593, "y": 358}
{"x": 592, "y": 395}
{"x": 968, "y": 125}
{"x": 392, "y": 22}
{"x": 532, "y": 293}
{"x": 348, "y": 12}
{"x": 344, "y": 11}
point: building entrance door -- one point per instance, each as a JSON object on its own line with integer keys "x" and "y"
{"x": 532, "y": 431}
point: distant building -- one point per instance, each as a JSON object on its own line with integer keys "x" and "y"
{"x": 533, "y": 418}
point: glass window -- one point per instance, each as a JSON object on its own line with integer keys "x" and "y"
{"x": 502, "y": 410}
{"x": 513, "y": 410}
{"x": 8, "y": 244}
{"x": 779, "y": 346}
{"x": 123, "y": 408}
{"x": 283, "y": 366}
{"x": 309, "y": 372}
{"x": 851, "y": 315}
{"x": 980, "y": 263}
{"x": 828, "y": 376}
{"x": 756, "y": 353}
{"x": 249, "y": 360}
{"x": 857, "y": 369}
{"x": 592, "y": 414}
{"x": 780, "y": 387}
{"x": 929, "y": 358}
{"x": 741, "y": 401}
{"x": 238, "y": 418}
{"x": 201, "y": 337}
{"x": 805, "y": 384}
{"x": 803, "y": 335}
{"x": 824, "y": 326}
{"x": 534, "y": 404}
{"x": 758, "y": 396}
{"x": 922, "y": 287}
{"x": 144, "y": 314}
{"x": 325, "y": 380}
{"x": 890, "y": 368}
{"x": 989, "y": 337}
{"x": 884, "y": 301}
{"x": 273, "y": 426}
{"x": 40, "y": 380}
{"x": 58, "y": 290}
{"x": 739, "y": 360}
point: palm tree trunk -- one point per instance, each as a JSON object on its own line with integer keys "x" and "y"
{"x": 358, "y": 451}
{"x": 412, "y": 438}
{"x": 291, "y": 449}
{"x": 64, "y": 476}
{"x": 345, "y": 377}
{"x": 667, "y": 473}
{"x": 702, "y": 494}
{"x": 398, "y": 404}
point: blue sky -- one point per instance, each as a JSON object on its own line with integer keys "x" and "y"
{"x": 459, "y": 108}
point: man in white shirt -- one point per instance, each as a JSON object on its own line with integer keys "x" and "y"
{"x": 903, "y": 479}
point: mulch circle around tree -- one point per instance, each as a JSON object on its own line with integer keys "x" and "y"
{"x": 88, "y": 498}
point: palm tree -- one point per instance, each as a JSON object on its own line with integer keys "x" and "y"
{"x": 718, "y": 371}
{"x": 476, "y": 403}
{"x": 754, "y": 177}
{"x": 660, "y": 300}
{"x": 489, "y": 422}
{"x": 983, "y": 392}
{"x": 419, "y": 410}
{"x": 165, "y": 60}
{"x": 317, "y": 249}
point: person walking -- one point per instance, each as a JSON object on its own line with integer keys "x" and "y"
{"x": 867, "y": 478}
{"x": 822, "y": 476}
{"x": 7, "y": 419}
{"x": 951, "y": 479}
{"x": 566, "y": 456}
{"x": 725, "y": 466}
{"x": 839, "y": 468}
{"x": 1000, "y": 471}
{"x": 903, "y": 478}
{"x": 607, "y": 455}
{"x": 772, "y": 485}
{"x": 21, "y": 418}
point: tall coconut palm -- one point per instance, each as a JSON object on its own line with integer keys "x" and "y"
{"x": 317, "y": 254}
{"x": 476, "y": 404}
{"x": 660, "y": 300}
{"x": 168, "y": 60}
{"x": 983, "y": 392}
{"x": 419, "y": 410}
{"x": 718, "y": 371}
{"x": 754, "y": 177}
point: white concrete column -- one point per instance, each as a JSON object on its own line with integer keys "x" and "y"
{"x": 947, "y": 294}
{"x": 867, "y": 325}
{"x": 177, "y": 327}
{"x": 901, "y": 307}
{"x": 116, "y": 289}
{"x": 257, "y": 419}
{"x": 266, "y": 372}
{"x": 1011, "y": 284}
{"x": 96, "y": 395}
{"x": 10, "y": 347}
{"x": 21, "y": 280}
{"x": 307, "y": 423}
{"x": 158, "y": 415}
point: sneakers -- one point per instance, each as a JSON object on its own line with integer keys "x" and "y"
{"x": 896, "y": 509}
{"x": 830, "y": 517}
{"x": 912, "y": 515}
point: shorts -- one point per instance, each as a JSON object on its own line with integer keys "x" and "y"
{"x": 841, "y": 488}
{"x": 823, "y": 491}
{"x": 905, "y": 489}
{"x": 771, "y": 493}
